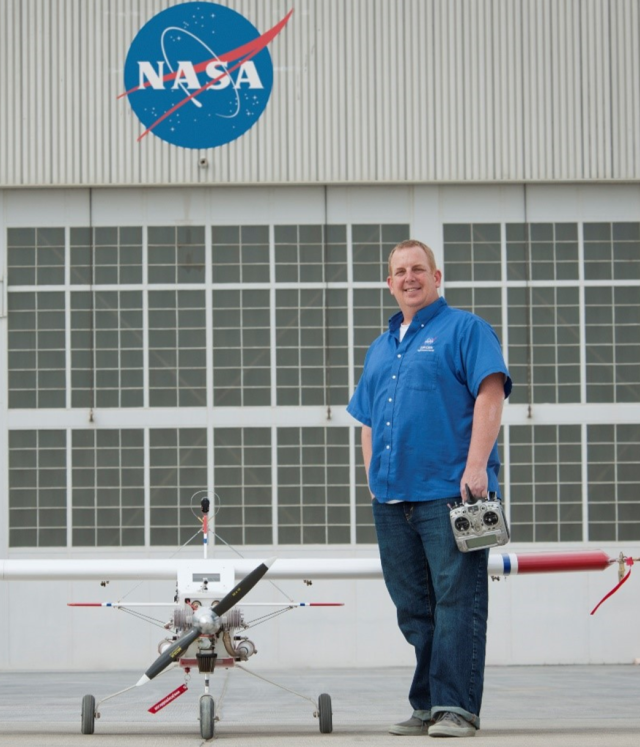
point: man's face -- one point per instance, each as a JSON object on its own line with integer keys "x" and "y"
{"x": 413, "y": 283}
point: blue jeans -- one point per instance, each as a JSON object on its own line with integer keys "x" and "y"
{"x": 441, "y": 597}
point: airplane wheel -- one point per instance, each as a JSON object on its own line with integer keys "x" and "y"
{"x": 88, "y": 718}
{"x": 207, "y": 717}
{"x": 325, "y": 714}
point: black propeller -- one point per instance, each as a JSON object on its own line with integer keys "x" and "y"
{"x": 242, "y": 588}
{"x": 170, "y": 655}
{"x": 206, "y": 621}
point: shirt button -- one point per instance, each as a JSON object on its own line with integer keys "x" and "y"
{"x": 390, "y": 400}
{"x": 399, "y": 355}
{"x": 388, "y": 423}
{"x": 388, "y": 447}
{"x": 422, "y": 325}
{"x": 394, "y": 376}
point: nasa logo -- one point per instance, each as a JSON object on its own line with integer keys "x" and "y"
{"x": 199, "y": 74}
{"x": 427, "y": 345}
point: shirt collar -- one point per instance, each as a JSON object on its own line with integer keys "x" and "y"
{"x": 422, "y": 317}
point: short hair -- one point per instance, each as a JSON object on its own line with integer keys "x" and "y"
{"x": 407, "y": 244}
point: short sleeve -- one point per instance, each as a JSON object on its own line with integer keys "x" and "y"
{"x": 359, "y": 406}
{"x": 482, "y": 356}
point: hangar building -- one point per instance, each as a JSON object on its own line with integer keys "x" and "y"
{"x": 181, "y": 317}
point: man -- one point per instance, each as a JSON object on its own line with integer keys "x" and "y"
{"x": 430, "y": 403}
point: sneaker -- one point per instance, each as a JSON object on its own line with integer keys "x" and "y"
{"x": 449, "y": 724}
{"x": 412, "y": 727}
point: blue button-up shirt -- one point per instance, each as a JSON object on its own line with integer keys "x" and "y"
{"x": 418, "y": 396}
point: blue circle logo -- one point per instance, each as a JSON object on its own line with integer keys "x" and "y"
{"x": 199, "y": 75}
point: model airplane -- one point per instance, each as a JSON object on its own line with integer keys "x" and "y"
{"x": 207, "y": 627}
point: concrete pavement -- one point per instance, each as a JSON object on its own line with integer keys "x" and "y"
{"x": 572, "y": 706}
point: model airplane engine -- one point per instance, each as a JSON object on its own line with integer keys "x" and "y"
{"x": 201, "y": 592}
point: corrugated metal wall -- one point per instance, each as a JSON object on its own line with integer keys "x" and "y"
{"x": 364, "y": 91}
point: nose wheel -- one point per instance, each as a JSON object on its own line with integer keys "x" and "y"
{"x": 207, "y": 717}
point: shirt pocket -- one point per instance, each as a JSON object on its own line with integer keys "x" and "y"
{"x": 422, "y": 371}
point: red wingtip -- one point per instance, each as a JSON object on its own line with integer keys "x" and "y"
{"x": 84, "y": 604}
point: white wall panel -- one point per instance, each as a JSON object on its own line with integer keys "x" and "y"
{"x": 364, "y": 91}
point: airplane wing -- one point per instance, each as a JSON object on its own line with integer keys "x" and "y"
{"x": 158, "y": 570}
{"x": 500, "y": 564}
